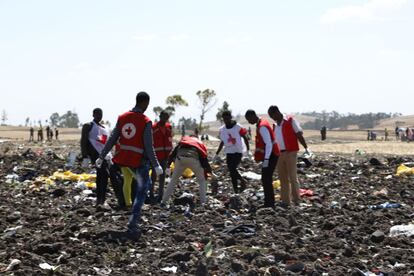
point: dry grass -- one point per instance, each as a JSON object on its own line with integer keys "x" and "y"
{"x": 342, "y": 142}
{"x": 22, "y": 133}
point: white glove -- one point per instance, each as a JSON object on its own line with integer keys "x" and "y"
{"x": 265, "y": 163}
{"x": 85, "y": 163}
{"x": 159, "y": 170}
{"x": 249, "y": 154}
{"x": 109, "y": 161}
{"x": 168, "y": 171}
{"x": 98, "y": 163}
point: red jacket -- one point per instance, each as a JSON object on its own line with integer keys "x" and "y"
{"x": 259, "y": 154}
{"x": 162, "y": 141}
{"x": 131, "y": 143}
{"x": 289, "y": 135}
{"x": 195, "y": 142}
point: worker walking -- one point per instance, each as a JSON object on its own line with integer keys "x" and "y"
{"x": 288, "y": 134}
{"x": 93, "y": 139}
{"x": 267, "y": 152}
{"x": 135, "y": 153}
{"x": 231, "y": 135}
{"x": 189, "y": 153}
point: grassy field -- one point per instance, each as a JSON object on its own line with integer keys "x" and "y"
{"x": 346, "y": 142}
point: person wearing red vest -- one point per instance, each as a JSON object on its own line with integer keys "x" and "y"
{"x": 267, "y": 152}
{"x": 135, "y": 153}
{"x": 163, "y": 137}
{"x": 288, "y": 134}
{"x": 189, "y": 153}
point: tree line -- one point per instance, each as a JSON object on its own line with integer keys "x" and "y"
{"x": 336, "y": 120}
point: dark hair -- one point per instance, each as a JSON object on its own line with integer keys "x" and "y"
{"x": 142, "y": 97}
{"x": 165, "y": 112}
{"x": 96, "y": 110}
{"x": 226, "y": 113}
{"x": 250, "y": 113}
{"x": 273, "y": 109}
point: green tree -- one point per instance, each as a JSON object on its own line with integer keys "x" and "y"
{"x": 225, "y": 107}
{"x": 207, "y": 100}
{"x": 157, "y": 110}
{"x": 54, "y": 119}
{"x": 27, "y": 121}
{"x": 69, "y": 119}
{"x": 173, "y": 102}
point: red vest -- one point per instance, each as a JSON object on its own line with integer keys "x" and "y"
{"x": 259, "y": 154}
{"x": 162, "y": 141}
{"x": 131, "y": 143}
{"x": 195, "y": 142}
{"x": 289, "y": 136}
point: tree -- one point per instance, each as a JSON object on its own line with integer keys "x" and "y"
{"x": 157, "y": 110}
{"x": 4, "y": 117}
{"x": 173, "y": 102}
{"x": 26, "y": 123}
{"x": 225, "y": 107}
{"x": 69, "y": 119}
{"x": 208, "y": 100}
{"x": 54, "y": 119}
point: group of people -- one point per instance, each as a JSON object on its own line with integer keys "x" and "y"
{"x": 141, "y": 146}
{"x": 404, "y": 134}
{"x": 49, "y": 134}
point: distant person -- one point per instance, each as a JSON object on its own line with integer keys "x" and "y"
{"x": 288, "y": 135}
{"x": 182, "y": 130}
{"x": 93, "y": 139}
{"x": 410, "y": 136}
{"x": 31, "y": 138}
{"x": 56, "y": 133}
{"x": 373, "y": 136}
{"x": 386, "y": 134}
{"x": 196, "y": 132}
{"x": 163, "y": 144}
{"x": 267, "y": 152}
{"x": 48, "y": 133}
{"x": 51, "y": 134}
{"x": 232, "y": 136}
{"x": 189, "y": 153}
{"x": 135, "y": 153}
{"x": 397, "y": 133}
{"x": 369, "y": 135}
{"x": 323, "y": 133}
{"x": 40, "y": 134}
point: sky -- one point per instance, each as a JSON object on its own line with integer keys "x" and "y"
{"x": 350, "y": 56}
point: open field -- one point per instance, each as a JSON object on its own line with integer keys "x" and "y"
{"x": 338, "y": 141}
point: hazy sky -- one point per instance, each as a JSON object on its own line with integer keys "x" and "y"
{"x": 350, "y": 56}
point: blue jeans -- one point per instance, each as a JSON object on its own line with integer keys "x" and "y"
{"x": 143, "y": 184}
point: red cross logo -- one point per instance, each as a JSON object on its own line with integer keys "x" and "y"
{"x": 231, "y": 140}
{"x": 128, "y": 131}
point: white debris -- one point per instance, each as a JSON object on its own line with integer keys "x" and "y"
{"x": 399, "y": 230}
{"x": 172, "y": 269}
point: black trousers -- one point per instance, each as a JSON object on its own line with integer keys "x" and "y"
{"x": 102, "y": 175}
{"x": 267, "y": 181}
{"x": 233, "y": 162}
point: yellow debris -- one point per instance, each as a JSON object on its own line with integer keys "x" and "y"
{"x": 188, "y": 173}
{"x": 276, "y": 184}
{"x": 70, "y": 176}
{"x": 404, "y": 170}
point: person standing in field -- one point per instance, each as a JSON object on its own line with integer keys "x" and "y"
{"x": 288, "y": 135}
{"x": 232, "y": 136}
{"x": 31, "y": 138}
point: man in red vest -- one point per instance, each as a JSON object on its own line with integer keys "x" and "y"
{"x": 267, "y": 152}
{"x": 189, "y": 153}
{"x": 163, "y": 136}
{"x": 133, "y": 134}
{"x": 288, "y": 134}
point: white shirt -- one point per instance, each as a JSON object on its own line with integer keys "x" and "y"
{"x": 279, "y": 133}
{"x": 267, "y": 139}
{"x": 232, "y": 138}
{"x": 98, "y": 137}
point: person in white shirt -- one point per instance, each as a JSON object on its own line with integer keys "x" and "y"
{"x": 231, "y": 135}
{"x": 288, "y": 134}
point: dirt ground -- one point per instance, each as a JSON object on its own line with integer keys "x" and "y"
{"x": 54, "y": 228}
